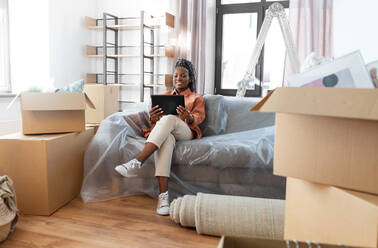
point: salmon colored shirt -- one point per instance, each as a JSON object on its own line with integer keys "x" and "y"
{"x": 195, "y": 103}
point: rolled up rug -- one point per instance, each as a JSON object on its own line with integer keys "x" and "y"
{"x": 176, "y": 210}
{"x": 239, "y": 216}
{"x": 231, "y": 215}
{"x": 187, "y": 213}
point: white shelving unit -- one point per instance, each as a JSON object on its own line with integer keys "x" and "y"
{"x": 149, "y": 52}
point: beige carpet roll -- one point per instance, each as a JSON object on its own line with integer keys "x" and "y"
{"x": 187, "y": 213}
{"x": 239, "y": 216}
{"x": 176, "y": 210}
{"x": 230, "y": 215}
{"x": 171, "y": 207}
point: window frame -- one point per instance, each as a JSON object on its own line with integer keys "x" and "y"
{"x": 240, "y": 8}
{"x": 7, "y": 87}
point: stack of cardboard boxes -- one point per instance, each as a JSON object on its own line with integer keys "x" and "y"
{"x": 326, "y": 144}
{"x": 45, "y": 162}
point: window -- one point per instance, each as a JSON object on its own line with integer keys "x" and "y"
{"x": 238, "y": 24}
{"x": 4, "y": 48}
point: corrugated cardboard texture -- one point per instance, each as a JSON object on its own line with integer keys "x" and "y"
{"x": 47, "y": 170}
{"x": 335, "y": 102}
{"x": 334, "y": 151}
{"x": 25, "y": 164}
{"x": 241, "y": 242}
{"x": 52, "y": 101}
{"x": 330, "y": 215}
{"x": 60, "y": 121}
{"x": 53, "y": 112}
{"x": 104, "y": 98}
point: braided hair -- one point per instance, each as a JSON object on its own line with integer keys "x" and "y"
{"x": 189, "y": 67}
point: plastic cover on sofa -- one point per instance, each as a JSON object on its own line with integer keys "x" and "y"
{"x": 214, "y": 164}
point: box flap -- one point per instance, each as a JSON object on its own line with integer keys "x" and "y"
{"x": 52, "y": 101}
{"x": 261, "y": 103}
{"x": 334, "y": 102}
{"x": 89, "y": 102}
{"x": 369, "y": 198}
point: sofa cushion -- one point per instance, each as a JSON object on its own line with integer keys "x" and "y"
{"x": 247, "y": 149}
{"x": 240, "y": 118}
{"x": 216, "y": 117}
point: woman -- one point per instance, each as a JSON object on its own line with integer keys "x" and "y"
{"x": 166, "y": 129}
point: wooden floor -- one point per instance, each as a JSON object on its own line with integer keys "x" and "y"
{"x": 126, "y": 222}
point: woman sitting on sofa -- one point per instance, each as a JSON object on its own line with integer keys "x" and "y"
{"x": 166, "y": 129}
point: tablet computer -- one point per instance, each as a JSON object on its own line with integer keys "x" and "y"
{"x": 168, "y": 103}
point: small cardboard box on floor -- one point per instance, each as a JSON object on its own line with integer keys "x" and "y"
{"x": 242, "y": 242}
{"x": 330, "y": 215}
{"x": 105, "y": 100}
{"x": 326, "y": 135}
{"x": 47, "y": 170}
{"x": 53, "y": 112}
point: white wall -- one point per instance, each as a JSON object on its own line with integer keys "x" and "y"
{"x": 47, "y": 41}
{"x": 355, "y": 27}
{"x": 67, "y": 38}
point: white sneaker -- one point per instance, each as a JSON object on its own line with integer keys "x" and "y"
{"x": 163, "y": 204}
{"x": 129, "y": 169}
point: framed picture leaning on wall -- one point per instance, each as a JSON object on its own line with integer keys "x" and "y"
{"x": 348, "y": 71}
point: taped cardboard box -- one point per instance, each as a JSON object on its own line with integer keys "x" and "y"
{"x": 53, "y": 112}
{"x": 242, "y": 242}
{"x": 329, "y": 214}
{"x": 326, "y": 135}
{"x": 47, "y": 170}
{"x": 105, "y": 100}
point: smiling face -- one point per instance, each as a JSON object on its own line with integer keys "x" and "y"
{"x": 181, "y": 79}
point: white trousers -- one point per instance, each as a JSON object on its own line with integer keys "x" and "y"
{"x": 164, "y": 135}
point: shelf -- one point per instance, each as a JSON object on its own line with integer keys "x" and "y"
{"x": 91, "y": 23}
{"x": 143, "y": 23}
{"x": 91, "y": 52}
{"x": 91, "y": 78}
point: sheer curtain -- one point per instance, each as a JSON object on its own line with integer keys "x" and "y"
{"x": 4, "y": 47}
{"x": 191, "y": 36}
{"x": 311, "y": 24}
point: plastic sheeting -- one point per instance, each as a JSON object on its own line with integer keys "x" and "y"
{"x": 236, "y": 163}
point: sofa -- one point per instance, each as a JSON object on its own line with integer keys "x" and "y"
{"x": 234, "y": 157}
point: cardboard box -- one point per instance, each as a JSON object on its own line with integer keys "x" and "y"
{"x": 53, "y": 112}
{"x": 47, "y": 170}
{"x": 241, "y": 242}
{"x": 105, "y": 100}
{"x": 329, "y": 214}
{"x": 326, "y": 135}
{"x": 95, "y": 126}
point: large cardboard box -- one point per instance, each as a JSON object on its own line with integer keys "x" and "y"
{"x": 242, "y": 242}
{"x": 53, "y": 112}
{"x": 326, "y": 135}
{"x": 329, "y": 214}
{"x": 105, "y": 100}
{"x": 47, "y": 170}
